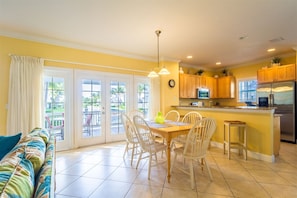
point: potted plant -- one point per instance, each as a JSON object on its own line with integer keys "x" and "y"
{"x": 276, "y": 61}
{"x": 200, "y": 72}
{"x": 225, "y": 72}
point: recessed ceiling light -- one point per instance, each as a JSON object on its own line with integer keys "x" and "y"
{"x": 271, "y": 50}
{"x": 189, "y": 57}
{"x": 243, "y": 37}
{"x": 218, "y": 63}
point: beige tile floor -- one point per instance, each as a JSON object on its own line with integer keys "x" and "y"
{"x": 101, "y": 171}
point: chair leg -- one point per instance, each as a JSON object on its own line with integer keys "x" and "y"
{"x": 132, "y": 157}
{"x": 208, "y": 169}
{"x": 192, "y": 174}
{"x": 172, "y": 164}
{"x": 139, "y": 159}
{"x": 150, "y": 165}
{"x": 126, "y": 149}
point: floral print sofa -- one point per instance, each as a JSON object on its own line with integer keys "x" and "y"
{"x": 28, "y": 170}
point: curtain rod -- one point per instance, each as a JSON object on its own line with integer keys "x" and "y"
{"x": 88, "y": 64}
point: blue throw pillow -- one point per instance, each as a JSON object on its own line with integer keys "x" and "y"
{"x": 7, "y": 143}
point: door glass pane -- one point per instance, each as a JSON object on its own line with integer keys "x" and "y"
{"x": 54, "y": 99}
{"x": 118, "y": 104}
{"x": 143, "y": 98}
{"x": 91, "y": 103}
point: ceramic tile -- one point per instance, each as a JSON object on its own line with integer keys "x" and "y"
{"x": 170, "y": 193}
{"x": 283, "y": 191}
{"x": 144, "y": 191}
{"x": 78, "y": 169}
{"x": 242, "y": 188}
{"x": 62, "y": 181}
{"x": 268, "y": 177}
{"x": 111, "y": 189}
{"x": 124, "y": 175}
{"x": 101, "y": 171}
{"x": 82, "y": 187}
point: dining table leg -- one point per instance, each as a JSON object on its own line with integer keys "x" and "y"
{"x": 168, "y": 159}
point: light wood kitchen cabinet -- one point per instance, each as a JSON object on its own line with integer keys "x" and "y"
{"x": 276, "y": 74}
{"x": 187, "y": 86}
{"x": 285, "y": 73}
{"x": 200, "y": 81}
{"x": 226, "y": 87}
{"x": 266, "y": 75}
{"x": 211, "y": 84}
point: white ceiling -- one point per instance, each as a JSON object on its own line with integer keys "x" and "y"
{"x": 209, "y": 30}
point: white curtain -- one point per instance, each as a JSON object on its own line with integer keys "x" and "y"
{"x": 154, "y": 97}
{"x": 25, "y": 94}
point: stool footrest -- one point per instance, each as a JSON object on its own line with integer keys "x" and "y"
{"x": 240, "y": 145}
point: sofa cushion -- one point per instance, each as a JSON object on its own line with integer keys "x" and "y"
{"x": 44, "y": 184}
{"x": 39, "y": 132}
{"x": 16, "y": 178}
{"x": 33, "y": 149}
{"x": 7, "y": 143}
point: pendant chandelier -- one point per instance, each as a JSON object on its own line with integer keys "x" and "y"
{"x": 163, "y": 71}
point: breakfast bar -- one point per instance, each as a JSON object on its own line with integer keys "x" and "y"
{"x": 263, "y": 127}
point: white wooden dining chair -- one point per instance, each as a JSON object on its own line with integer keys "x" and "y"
{"x": 195, "y": 148}
{"x": 149, "y": 147}
{"x": 172, "y": 115}
{"x": 132, "y": 142}
{"x": 134, "y": 112}
{"x": 191, "y": 117}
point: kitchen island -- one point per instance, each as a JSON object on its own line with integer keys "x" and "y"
{"x": 263, "y": 127}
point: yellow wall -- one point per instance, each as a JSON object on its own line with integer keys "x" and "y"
{"x": 260, "y": 130}
{"x": 169, "y": 96}
{"x": 29, "y": 48}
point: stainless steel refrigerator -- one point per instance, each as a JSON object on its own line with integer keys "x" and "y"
{"x": 282, "y": 95}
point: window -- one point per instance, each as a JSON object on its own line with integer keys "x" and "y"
{"x": 143, "y": 90}
{"x": 247, "y": 90}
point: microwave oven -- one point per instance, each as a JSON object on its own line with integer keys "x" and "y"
{"x": 203, "y": 93}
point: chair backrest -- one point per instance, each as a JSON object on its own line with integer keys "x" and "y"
{"x": 88, "y": 120}
{"x": 199, "y": 137}
{"x": 172, "y": 115}
{"x": 192, "y": 117}
{"x": 132, "y": 113}
{"x": 144, "y": 134}
{"x": 58, "y": 124}
{"x": 129, "y": 127}
{"x": 48, "y": 122}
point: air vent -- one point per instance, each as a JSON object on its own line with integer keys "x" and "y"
{"x": 277, "y": 39}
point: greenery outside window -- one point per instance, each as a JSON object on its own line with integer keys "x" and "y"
{"x": 247, "y": 90}
{"x": 143, "y": 91}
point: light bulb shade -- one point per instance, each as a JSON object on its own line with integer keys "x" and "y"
{"x": 152, "y": 74}
{"x": 164, "y": 71}
{"x": 181, "y": 71}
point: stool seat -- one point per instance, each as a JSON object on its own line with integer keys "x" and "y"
{"x": 241, "y": 130}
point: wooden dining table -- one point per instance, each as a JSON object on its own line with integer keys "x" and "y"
{"x": 169, "y": 130}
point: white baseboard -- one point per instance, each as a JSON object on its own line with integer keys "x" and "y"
{"x": 250, "y": 154}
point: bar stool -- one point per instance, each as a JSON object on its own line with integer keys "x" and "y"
{"x": 240, "y": 144}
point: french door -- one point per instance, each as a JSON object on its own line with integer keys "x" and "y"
{"x": 57, "y": 100}
{"x": 100, "y": 99}
{"x": 84, "y": 107}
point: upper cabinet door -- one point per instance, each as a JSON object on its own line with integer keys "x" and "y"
{"x": 226, "y": 87}
{"x": 211, "y": 84}
{"x": 187, "y": 86}
{"x": 276, "y": 74}
{"x": 285, "y": 73}
{"x": 266, "y": 75}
